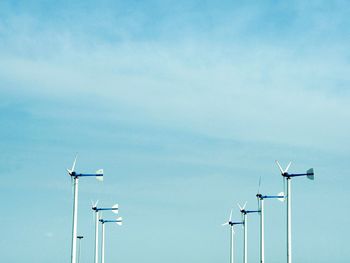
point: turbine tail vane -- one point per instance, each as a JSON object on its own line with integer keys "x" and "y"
{"x": 282, "y": 197}
{"x": 310, "y": 174}
{"x": 99, "y": 175}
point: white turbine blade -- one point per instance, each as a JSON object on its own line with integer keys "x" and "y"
{"x": 286, "y": 170}
{"x": 259, "y": 184}
{"x": 99, "y": 172}
{"x": 279, "y": 166}
{"x": 75, "y": 160}
{"x": 281, "y": 194}
{"x": 119, "y": 223}
{"x": 119, "y": 218}
{"x": 225, "y": 224}
{"x": 242, "y": 208}
{"x": 233, "y": 230}
{"x": 230, "y": 216}
{"x": 310, "y": 174}
{"x": 94, "y": 204}
{"x": 72, "y": 184}
{"x": 115, "y": 209}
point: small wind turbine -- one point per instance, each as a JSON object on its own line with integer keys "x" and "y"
{"x": 280, "y": 196}
{"x": 114, "y": 209}
{"x": 119, "y": 222}
{"x": 245, "y": 225}
{"x": 229, "y": 222}
{"x": 75, "y": 176}
{"x": 310, "y": 175}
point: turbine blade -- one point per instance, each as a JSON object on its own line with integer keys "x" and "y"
{"x": 259, "y": 184}
{"x": 230, "y": 216}
{"x": 75, "y": 160}
{"x": 119, "y": 223}
{"x": 286, "y": 170}
{"x": 72, "y": 184}
{"x": 240, "y": 208}
{"x": 279, "y": 166}
{"x": 94, "y": 204}
{"x": 245, "y": 204}
{"x": 225, "y": 224}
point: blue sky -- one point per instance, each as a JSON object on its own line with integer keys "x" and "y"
{"x": 184, "y": 104}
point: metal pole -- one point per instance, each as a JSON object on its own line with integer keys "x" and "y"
{"x": 79, "y": 247}
{"x": 289, "y": 221}
{"x": 103, "y": 244}
{"x": 262, "y": 232}
{"x": 96, "y": 236}
{"x": 245, "y": 254}
{"x": 75, "y": 221}
{"x": 231, "y": 254}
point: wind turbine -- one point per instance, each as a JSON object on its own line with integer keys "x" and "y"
{"x": 280, "y": 196}
{"x": 229, "y": 222}
{"x": 310, "y": 175}
{"x": 245, "y": 225}
{"x": 75, "y": 176}
{"x": 114, "y": 209}
{"x": 119, "y": 222}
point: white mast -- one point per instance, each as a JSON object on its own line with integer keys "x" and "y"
{"x": 96, "y": 236}
{"x": 245, "y": 248}
{"x": 103, "y": 243}
{"x": 262, "y": 232}
{"x": 289, "y": 221}
{"x": 75, "y": 221}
